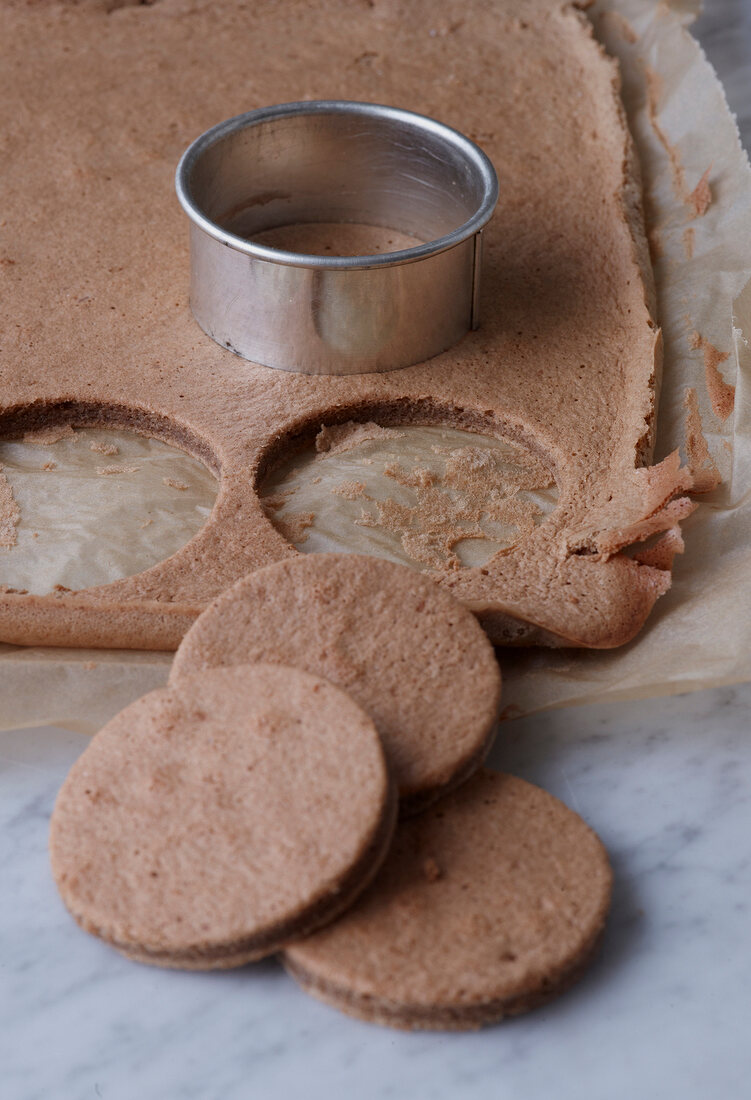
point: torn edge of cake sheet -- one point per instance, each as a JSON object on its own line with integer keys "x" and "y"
{"x": 697, "y": 193}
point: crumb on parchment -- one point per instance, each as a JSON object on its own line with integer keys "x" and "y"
{"x": 338, "y": 438}
{"x": 45, "y": 437}
{"x": 109, "y": 471}
{"x": 10, "y": 513}
{"x": 294, "y": 526}
{"x": 102, "y": 448}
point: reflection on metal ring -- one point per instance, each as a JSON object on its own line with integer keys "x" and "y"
{"x": 335, "y": 161}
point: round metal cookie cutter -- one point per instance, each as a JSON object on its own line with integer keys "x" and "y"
{"x": 335, "y": 161}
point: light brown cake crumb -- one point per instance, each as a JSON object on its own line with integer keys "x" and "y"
{"x": 272, "y": 502}
{"x": 660, "y": 555}
{"x": 10, "y": 513}
{"x": 294, "y": 526}
{"x": 173, "y": 483}
{"x": 337, "y": 438}
{"x": 703, "y": 467}
{"x": 350, "y": 490}
{"x": 45, "y": 437}
{"x": 104, "y": 448}
{"x": 701, "y": 197}
{"x": 479, "y": 485}
{"x": 108, "y": 471}
{"x": 721, "y": 393}
{"x": 424, "y": 546}
{"x": 654, "y": 89}
{"x": 367, "y": 519}
{"x": 419, "y": 478}
{"x": 50, "y": 466}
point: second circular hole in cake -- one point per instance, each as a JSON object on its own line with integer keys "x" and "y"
{"x": 429, "y": 497}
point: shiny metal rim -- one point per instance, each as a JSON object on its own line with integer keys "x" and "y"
{"x": 473, "y": 155}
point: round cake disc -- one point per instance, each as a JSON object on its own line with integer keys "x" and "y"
{"x": 488, "y": 904}
{"x": 208, "y": 824}
{"x": 412, "y": 656}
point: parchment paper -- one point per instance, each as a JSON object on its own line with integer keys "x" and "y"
{"x": 700, "y": 632}
{"x": 129, "y": 503}
{"x": 426, "y": 477}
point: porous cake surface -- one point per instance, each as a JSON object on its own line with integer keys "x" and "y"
{"x": 488, "y": 904}
{"x": 206, "y": 825}
{"x": 101, "y": 98}
{"x": 413, "y": 657}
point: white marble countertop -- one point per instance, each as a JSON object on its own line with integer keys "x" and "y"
{"x": 665, "y": 1012}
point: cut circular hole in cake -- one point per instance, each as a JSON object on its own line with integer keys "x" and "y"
{"x": 81, "y": 507}
{"x": 424, "y": 495}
